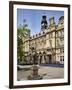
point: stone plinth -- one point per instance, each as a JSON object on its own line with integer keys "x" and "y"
{"x": 34, "y": 75}
{"x": 35, "y": 70}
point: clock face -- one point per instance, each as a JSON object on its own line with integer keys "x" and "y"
{"x": 42, "y": 24}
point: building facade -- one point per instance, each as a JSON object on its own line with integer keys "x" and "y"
{"x": 49, "y": 43}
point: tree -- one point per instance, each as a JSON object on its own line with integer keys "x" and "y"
{"x": 22, "y": 33}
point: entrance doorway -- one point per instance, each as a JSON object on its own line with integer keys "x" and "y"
{"x": 50, "y": 58}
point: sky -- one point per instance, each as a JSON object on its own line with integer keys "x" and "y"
{"x": 33, "y": 18}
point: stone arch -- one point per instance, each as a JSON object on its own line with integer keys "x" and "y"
{"x": 44, "y": 52}
{"x": 39, "y": 52}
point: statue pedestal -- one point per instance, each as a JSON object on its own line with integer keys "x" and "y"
{"x": 35, "y": 71}
{"x": 34, "y": 75}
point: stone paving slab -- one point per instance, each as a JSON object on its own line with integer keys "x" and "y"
{"x": 45, "y": 71}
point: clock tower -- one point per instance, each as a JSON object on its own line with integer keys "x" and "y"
{"x": 43, "y": 23}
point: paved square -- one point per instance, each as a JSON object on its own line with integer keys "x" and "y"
{"x": 45, "y": 71}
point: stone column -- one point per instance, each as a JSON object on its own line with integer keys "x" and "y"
{"x": 47, "y": 59}
{"x": 38, "y": 59}
{"x": 43, "y": 59}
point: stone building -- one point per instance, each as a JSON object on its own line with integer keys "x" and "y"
{"x": 49, "y": 43}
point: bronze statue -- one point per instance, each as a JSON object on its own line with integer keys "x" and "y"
{"x": 35, "y": 59}
{"x": 35, "y": 56}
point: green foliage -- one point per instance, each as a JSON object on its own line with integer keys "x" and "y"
{"x": 22, "y": 33}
